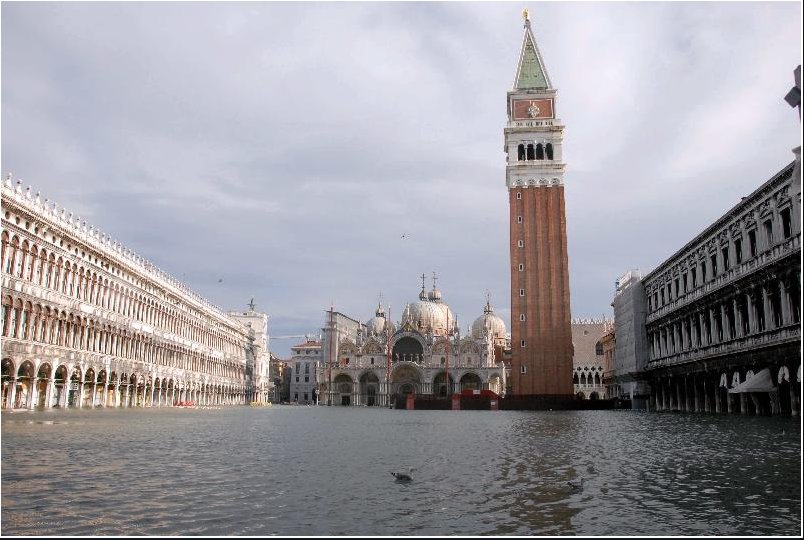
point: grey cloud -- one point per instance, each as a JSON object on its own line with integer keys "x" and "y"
{"x": 286, "y": 147}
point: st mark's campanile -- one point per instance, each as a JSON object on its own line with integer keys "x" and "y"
{"x": 541, "y": 339}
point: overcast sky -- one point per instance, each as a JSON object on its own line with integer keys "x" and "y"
{"x": 286, "y": 148}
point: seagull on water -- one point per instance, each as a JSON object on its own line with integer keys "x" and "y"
{"x": 576, "y": 484}
{"x": 404, "y": 477}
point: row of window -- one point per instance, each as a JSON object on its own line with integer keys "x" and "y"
{"x": 739, "y": 316}
{"x": 43, "y": 325}
{"x": 29, "y": 262}
{"x": 718, "y": 262}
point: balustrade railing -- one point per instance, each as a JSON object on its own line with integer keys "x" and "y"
{"x": 756, "y": 263}
{"x": 766, "y": 338}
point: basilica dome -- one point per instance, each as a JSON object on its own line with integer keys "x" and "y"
{"x": 429, "y": 314}
{"x": 376, "y": 325}
{"x": 488, "y": 322}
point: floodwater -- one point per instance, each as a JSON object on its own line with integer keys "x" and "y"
{"x": 326, "y": 471}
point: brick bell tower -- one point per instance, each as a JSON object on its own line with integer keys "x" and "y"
{"x": 541, "y": 339}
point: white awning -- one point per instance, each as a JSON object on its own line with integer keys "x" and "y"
{"x": 761, "y": 382}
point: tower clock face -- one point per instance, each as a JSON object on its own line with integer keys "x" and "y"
{"x": 528, "y": 109}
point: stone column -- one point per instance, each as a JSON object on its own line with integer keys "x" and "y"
{"x": 775, "y": 406}
{"x": 702, "y": 336}
{"x": 65, "y": 390}
{"x": 755, "y": 400}
{"x": 668, "y": 393}
{"x": 786, "y": 319}
{"x": 105, "y": 391}
{"x": 94, "y": 393}
{"x": 767, "y": 308}
{"x": 127, "y": 398}
{"x": 688, "y": 402}
{"x": 794, "y": 387}
{"x": 654, "y": 395}
{"x": 743, "y": 403}
{"x": 34, "y": 393}
{"x": 707, "y": 404}
{"x": 153, "y": 389}
{"x": 713, "y": 337}
{"x": 51, "y": 387}
{"x": 682, "y": 332}
{"x": 679, "y": 404}
{"x": 668, "y": 397}
{"x": 752, "y": 322}
{"x": 80, "y": 394}
{"x": 738, "y": 319}
{"x": 724, "y": 318}
{"x": 12, "y": 393}
{"x": 717, "y": 397}
{"x": 696, "y": 393}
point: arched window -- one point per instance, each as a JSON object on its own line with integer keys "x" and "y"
{"x": 22, "y": 255}
{"x": 40, "y": 266}
{"x": 57, "y": 274}
{"x": 12, "y": 324}
{"x": 30, "y": 262}
{"x": 6, "y": 253}
{"x": 530, "y": 152}
{"x": 549, "y": 150}
{"x": 539, "y": 151}
{"x": 520, "y": 155}
{"x": 7, "y": 307}
{"x": 23, "y": 333}
{"x": 599, "y": 348}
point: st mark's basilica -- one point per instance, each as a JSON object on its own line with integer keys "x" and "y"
{"x": 426, "y": 355}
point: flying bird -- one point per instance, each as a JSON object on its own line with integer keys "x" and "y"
{"x": 404, "y": 235}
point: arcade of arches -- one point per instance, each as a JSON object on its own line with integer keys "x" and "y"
{"x": 86, "y": 322}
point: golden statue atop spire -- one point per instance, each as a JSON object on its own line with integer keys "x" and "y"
{"x": 526, "y": 14}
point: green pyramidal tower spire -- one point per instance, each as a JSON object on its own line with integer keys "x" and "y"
{"x": 530, "y": 71}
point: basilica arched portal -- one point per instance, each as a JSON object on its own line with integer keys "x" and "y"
{"x": 406, "y": 380}
{"x": 440, "y": 384}
{"x": 369, "y": 388}
{"x": 471, "y": 381}
{"x": 342, "y": 388}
